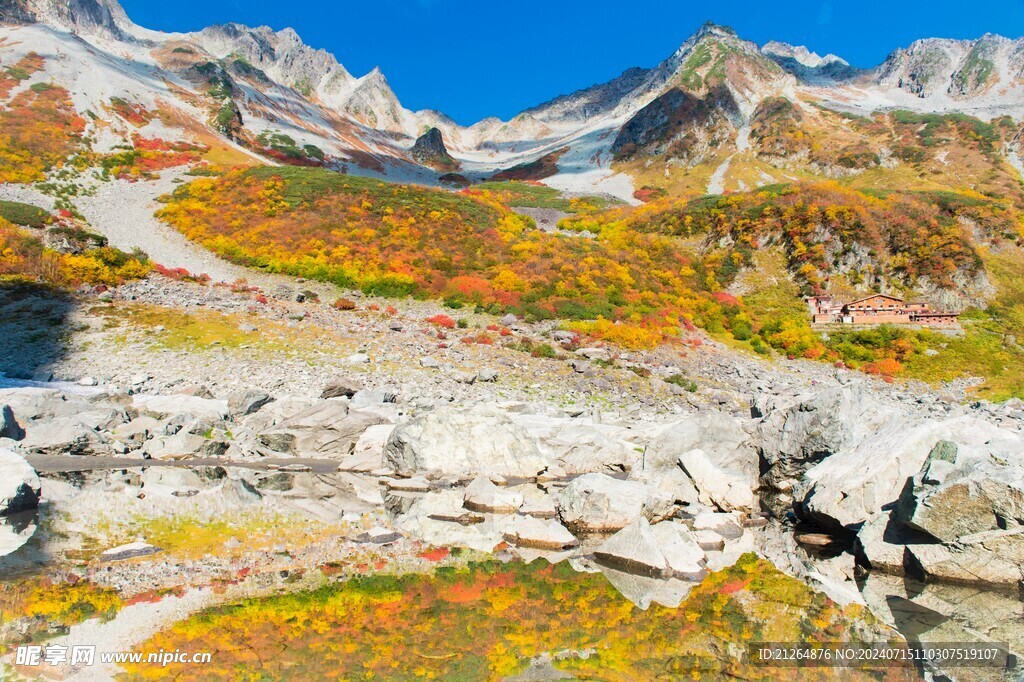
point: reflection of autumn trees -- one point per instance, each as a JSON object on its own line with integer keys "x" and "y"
{"x": 488, "y": 621}
{"x": 36, "y": 608}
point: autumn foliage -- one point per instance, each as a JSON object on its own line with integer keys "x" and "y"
{"x": 490, "y": 620}
{"x": 396, "y": 240}
{"x": 132, "y": 112}
{"x": 11, "y": 76}
{"x": 23, "y": 257}
{"x": 44, "y": 604}
{"x": 39, "y": 130}
{"x": 443, "y": 321}
{"x": 823, "y": 227}
{"x": 149, "y": 155}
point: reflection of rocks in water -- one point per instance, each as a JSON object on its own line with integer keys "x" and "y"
{"x": 398, "y": 504}
{"x": 663, "y": 569}
{"x": 833, "y": 575}
{"x": 318, "y": 496}
{"x": 934, "y": 613}
{"x": 644, "y": 591}
{"x": 16, "y": 530}
{"x": 542, "y": 669}
{"x": 435, "y": 517}
{"x": 530, "y": 555}
{"x": 525, "y": 531}
{"x": 19, "y": 497}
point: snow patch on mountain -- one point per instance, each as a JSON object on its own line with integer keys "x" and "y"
{"x": 586, "y": 167}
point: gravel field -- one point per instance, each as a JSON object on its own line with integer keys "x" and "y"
{"x": 123, "y": 211}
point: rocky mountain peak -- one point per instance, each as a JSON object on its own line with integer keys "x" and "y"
{"x": 376, "y": 84}
{"x": 430, "y": 150}
{"x": 590, "y": 102}
{"x": 375, "y": 78}
{"x": 711, "y": 29}
{"x": 800, "y": 54}
{"x": 957, "y": 69}
{"x": 372, "y": 102}
{"x": 808, "y": 66}
{"x": 15, "y": 12}
{"x": 715, "y": 57}
{"x": 280, "y": 54}
{"x": 98, "y": 17}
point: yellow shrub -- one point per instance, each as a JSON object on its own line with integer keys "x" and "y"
{"x": 506, "y": 280}
{"x": 626, "y": 335}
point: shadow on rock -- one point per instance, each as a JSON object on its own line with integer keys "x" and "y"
{"x": 16, "y": 530}
{"x": 34, "y": 326}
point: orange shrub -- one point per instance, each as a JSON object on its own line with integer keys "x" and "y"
{"x": 888, "y": 367}
{"x": 482, "y": 338}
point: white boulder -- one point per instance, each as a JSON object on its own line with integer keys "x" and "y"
{"x": 717, "y": 486}
{"x": 849, "y": 487}
{"x": 600, "y": 503}
{"x": 483, "y": 496}
{"x": 477, "y": 441}
{"x": 19, "y": 484}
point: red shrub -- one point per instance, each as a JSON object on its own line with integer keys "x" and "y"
{"x": 726, "y": 299}
{"x": 434, "y": 554}
{"x": 181, "y": 274}
{"x": 442, "y": 321}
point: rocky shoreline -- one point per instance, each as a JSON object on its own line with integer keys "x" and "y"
{"x": 589, "y": 457}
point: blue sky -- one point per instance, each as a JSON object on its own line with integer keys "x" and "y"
{"x": 473, "y": 58}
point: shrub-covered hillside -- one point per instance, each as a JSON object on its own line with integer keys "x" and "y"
{"x": 760, "y": 252}
{"x": 837, "y": 236}
{"x": 398, "y": 240}
{"x": 735, "y": 266}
